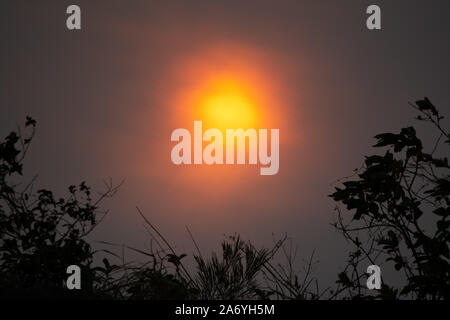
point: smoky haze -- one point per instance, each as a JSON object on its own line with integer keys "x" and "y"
{"x": 106, "y": 101}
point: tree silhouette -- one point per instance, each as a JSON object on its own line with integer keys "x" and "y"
{"x": 41, "y": 235}
{"x": 400, "y": 203}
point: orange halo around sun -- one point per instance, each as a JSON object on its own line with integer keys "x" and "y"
{"x": 226, "y": 87}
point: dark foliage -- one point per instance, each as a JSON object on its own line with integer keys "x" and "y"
{"x": 401, "y": 206}
{"x": 397, "y": 213}
{"x": 40, "y": 234}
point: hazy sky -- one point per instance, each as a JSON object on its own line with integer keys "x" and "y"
{"x": 107, "y": 98}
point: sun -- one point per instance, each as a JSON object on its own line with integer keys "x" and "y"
{"x": 227, "y": 103}
{"x": 229, "y": 110}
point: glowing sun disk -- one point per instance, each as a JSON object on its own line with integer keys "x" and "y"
{"x": 229, "y": 106}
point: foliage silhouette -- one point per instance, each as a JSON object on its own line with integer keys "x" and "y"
{"x": 393, "y": 199}
{"x": 41, "y": 235}
{"x": 390, "y": 201}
